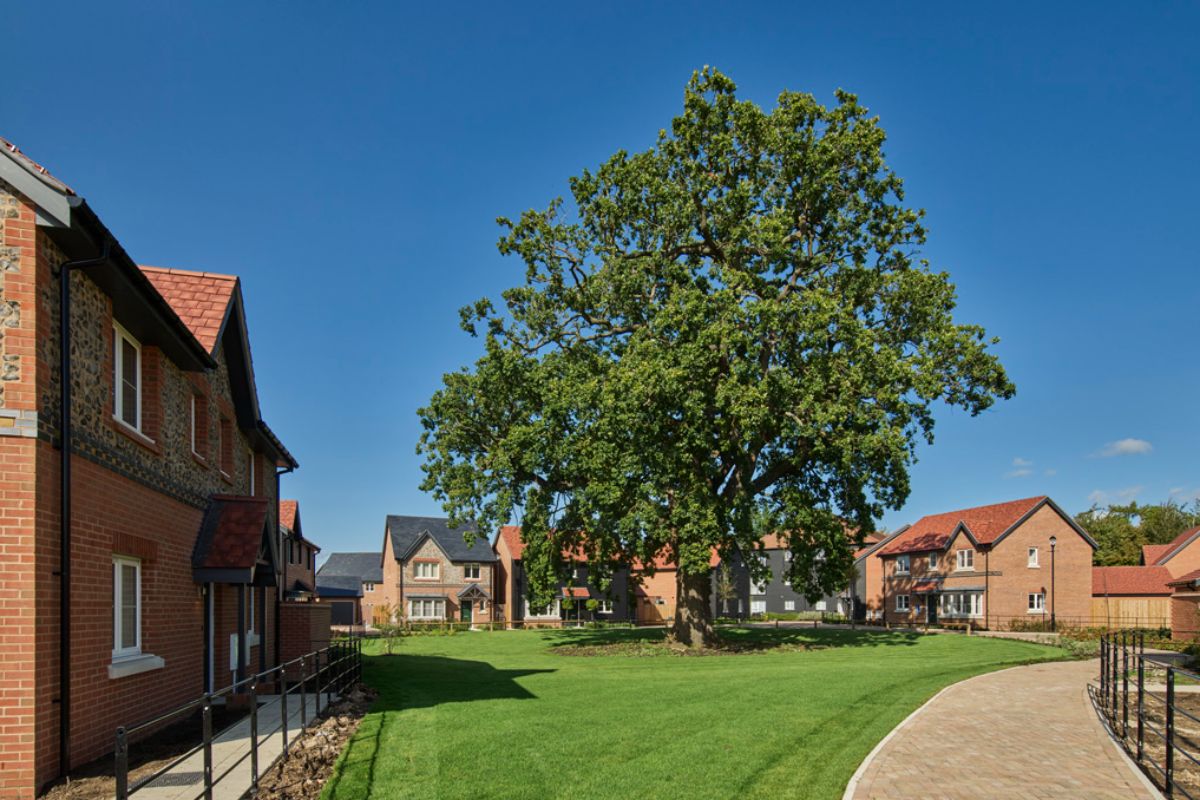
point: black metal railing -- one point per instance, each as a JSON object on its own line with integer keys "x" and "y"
{"x": 1144, "y": 714}
{"x": 331, "y": 670}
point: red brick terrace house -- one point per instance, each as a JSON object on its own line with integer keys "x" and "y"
{"x": 989, "y": 566}
{"x": 126, "y": 577}
{"x": 299, "y": 555}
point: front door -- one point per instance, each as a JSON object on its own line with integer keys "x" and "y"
{"x": 464, "y": 611}
{"x": 931, "y": 605}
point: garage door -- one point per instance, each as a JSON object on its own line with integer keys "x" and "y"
{"x": 341, "y": 613}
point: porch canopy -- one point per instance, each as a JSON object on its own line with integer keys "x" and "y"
{"x": 235, "y": 545}
{"x": 474, "y": 592}
{"x": 925, "y": 588}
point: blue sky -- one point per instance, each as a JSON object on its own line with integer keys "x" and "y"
{"x": 348, "y": 161}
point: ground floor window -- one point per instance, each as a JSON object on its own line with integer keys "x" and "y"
{"x": 820, "y": 605}
{"x": 758, "y": 606}
{"x": 1037, "y": 602}
{"x": 604, "y": 607}
{"x": 961, "y": 604}
{"x": 127, "y": 607}
{"x": 427, "y": 609}
{"x": 552, "y": 611}
{"x": 902, "y": 602}
{"x": 789, "y": 605}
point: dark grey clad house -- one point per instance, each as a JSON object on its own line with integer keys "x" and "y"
{"x": 348, "y": 582}
{"x": 775, "y": 596}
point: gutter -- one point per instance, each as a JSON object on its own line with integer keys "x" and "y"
{"x": 64, "y": 562}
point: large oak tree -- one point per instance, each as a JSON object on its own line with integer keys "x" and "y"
{"x": 734, "y": 323}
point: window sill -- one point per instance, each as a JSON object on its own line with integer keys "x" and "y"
{"x": 137, "y": 436}
{"x": 225, "y": 476}
{"x": 1035, "y": 566}
{"x": 199, "y": 459}
{"x": 134, "y": 665}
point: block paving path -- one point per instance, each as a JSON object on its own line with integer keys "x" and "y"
{"x": 1027, "y": 732}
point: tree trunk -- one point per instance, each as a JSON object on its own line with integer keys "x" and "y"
{"x": 693, "y": 624}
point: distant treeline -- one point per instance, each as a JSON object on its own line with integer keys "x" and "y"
{"x": 1120, "y": 531}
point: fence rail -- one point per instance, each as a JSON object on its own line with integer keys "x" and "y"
{"x": 326, "y": 671}
{"x": 1145, "y": 716}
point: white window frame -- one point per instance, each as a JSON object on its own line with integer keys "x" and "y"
{"x": 933, "y": 560}
{"x": 758, "y": 606}
{"x": 250, "y": 470}
{"x": 961, "y": 557}
{"x": 468, "y": 569}
{"x": 552, "y": 611}
{"x": 368, "y": 586}
{"x": 1037, "y": 603}
{"x": 435, "y": 605}
{"x": 902, "y": 603}
{"x": 604, "y": 607}
{"x": 961, "y": 604}
{"x": 433, "y": 566}
{"x": 119, "y": 652}
{"x": 821, "y": 605}
{"x": 1033, "y": 558}
{"x": 789, "y": 605}
{"x": 903, "y": 564}
{"x": 120, "y": 335}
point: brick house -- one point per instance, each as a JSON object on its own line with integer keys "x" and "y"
{"x": 352, "y": 583}
{"x": 576, "y": 597}
{"x": 1147, "y": 595}
{"x": 989, "y": 566}
{"x": 298, "y": 554}
{"x": 866, "y": 592}
{"x": 432, "y": 573}
{"x": 168, "y": 500}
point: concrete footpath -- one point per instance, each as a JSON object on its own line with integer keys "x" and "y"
{"x": 231, "y": 753}
{"x": 1026, "y": 732}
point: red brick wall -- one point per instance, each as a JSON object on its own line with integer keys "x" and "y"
{"x": 303, "y": 628}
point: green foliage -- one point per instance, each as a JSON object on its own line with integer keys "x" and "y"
{"x": 390, "y": 627}
{"x": 1120, "y": 531}
{"x": 734, "y": 321}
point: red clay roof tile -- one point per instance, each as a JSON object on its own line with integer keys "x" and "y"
{"x": 201, "y": 299}
{"x": 238, "y": 533}
{"x": 986, "y": 523}
{"x": 1130, "y": 580}
{"x": 287, "y": 513}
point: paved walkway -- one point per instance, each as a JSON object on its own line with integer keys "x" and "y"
{"x": 186, "y": 780}
{"x": 1028, "y": 732}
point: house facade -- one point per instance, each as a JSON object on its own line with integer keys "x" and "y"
{"x": 148, "y": 568}
{"x": 997, "y": 566}
{"x": 431, "y": 573}
{"x": 298, "y": 554}
{"x": 352, "y": 583}
{"x": 1147, "y": 595}
{"x": 576, "y": 598}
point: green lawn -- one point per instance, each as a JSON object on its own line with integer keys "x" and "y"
{"x": 502, "y": 715}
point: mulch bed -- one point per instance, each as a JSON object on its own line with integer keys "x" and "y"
{"x": 302, "y": 773}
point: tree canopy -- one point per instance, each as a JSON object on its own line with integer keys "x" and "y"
{"x": 1120, "y": 531}
{"x": 735, "y": 321}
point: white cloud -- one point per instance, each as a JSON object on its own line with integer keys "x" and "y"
{"x": 1050, "y": 473}
{"x": 1125, "y": 447}
{"x": 1100, "y": 497}
{"x": 1022, "y": 462}
{"x": 1023, "y": 472}
{"x": 1182, "y": 495}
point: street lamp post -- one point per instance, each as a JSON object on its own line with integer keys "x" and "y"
{"x": 1053, "y": 594}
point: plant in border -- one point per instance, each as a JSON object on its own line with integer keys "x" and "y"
{"x": 734, "y": 321}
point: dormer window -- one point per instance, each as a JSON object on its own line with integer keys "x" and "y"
{"x": 127, "y": 378}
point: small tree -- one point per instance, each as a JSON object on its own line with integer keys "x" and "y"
{"x": 389, "y": 627}
{"x": 726, "y": 589}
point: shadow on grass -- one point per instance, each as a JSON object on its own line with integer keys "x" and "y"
{"x": 411, "y": 681}
{"x": 738, "y": 638}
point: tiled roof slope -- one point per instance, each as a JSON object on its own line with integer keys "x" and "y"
{"x": 986, "y": 523}
{"x": 201, "y": 299}
{"x": 1130, "y": 580}
{"x": 287, "y": 513}
{"x": 1162, "y": 553}
{"x": 363, "y": 566}
{"x": 407, "y": 531}
{"x": 231, "y": 534}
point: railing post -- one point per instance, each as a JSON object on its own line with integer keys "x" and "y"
{"x": 1169, "y": 766}
{"x": 303, "y": 693}
{"x": 1113, "y": 680}
{"x": 121, "y": 753}
{"x": 206, "y": 719}
{"x": 1126, "y": 641}
{"x": 1103, "y": 668}
{"x": 283, "y": 693}
{"x": 1141, "y": 703}
{"x": 254, "y": 735}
